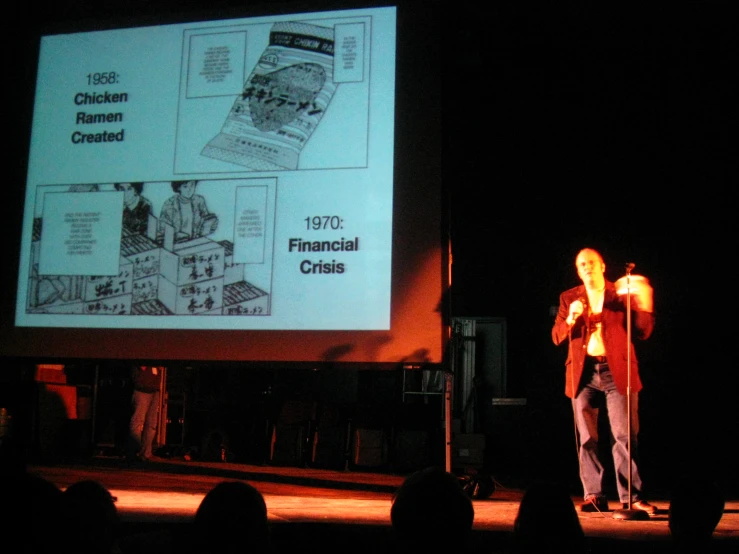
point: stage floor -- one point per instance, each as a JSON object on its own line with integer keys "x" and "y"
{"x": 165, "y": 493}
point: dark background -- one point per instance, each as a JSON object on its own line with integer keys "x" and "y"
{"x": 575, "y": 125}
{"x": 565, "y": 125}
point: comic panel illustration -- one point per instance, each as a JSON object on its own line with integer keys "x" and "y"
{"x": 153, "y": 248}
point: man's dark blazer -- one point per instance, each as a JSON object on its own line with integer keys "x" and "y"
{"x": 614, "y": 337}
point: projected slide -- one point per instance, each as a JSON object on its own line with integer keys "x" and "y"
{"x": 232, "y": 174}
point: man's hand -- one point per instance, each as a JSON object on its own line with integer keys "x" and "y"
{"x": 576, "y": 310}
{"x": 641, "y": 292}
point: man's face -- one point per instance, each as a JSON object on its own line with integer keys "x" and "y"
{"x": 128, "y": 191}
{"x": 188, "y": 189}
{"x": 589, "y": 265}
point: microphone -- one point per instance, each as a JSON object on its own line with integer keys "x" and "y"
{"x": 629, "y": 266}
{"x": 584, "y": 303}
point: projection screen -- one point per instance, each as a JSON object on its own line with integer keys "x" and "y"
{"x": 255, "y": 188}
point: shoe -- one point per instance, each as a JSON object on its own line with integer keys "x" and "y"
{"x": 642, "y": 505}
{"x": 595, "y": 504}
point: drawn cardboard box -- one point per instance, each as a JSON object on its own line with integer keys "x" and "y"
{"x": 143, "y": 253}
{"x": 244, "y": 299}
{"x": 113, "y": 305}
{"x": 145, "y": 289}
{"x": 145, "y": 257}
{"x": 202, "y": 297}
{"x": 99, "y": 287}
{"x": 193, "y": 261}
{"x": 234, "y": 272}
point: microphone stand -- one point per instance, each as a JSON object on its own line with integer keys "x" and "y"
{"x": 629, "y": 513}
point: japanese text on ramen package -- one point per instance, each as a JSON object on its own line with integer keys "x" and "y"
{"x": 283, "y": 100}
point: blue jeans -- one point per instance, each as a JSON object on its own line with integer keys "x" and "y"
{"x": 143, "y": 426}
{"x": 586, "y": 406}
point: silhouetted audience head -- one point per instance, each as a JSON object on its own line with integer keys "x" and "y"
{"x": 696, "y": 507}
{"x": 429, "y": 509}
{"x": 547, "y": 521}
{"x": 30, "y": 512}
{"x": 232, "y": 518}
{"x": 92, "y": 517}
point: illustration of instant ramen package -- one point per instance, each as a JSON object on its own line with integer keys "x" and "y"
{"x": 283, "y": 100}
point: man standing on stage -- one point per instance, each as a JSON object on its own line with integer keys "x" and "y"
{"x": 147, "y": 381}
{"x": 592, "y": 317}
